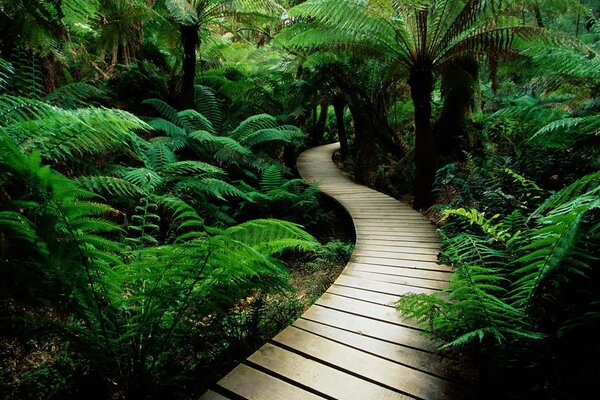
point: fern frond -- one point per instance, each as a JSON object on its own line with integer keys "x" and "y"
{"x": 196, "y": 121}
{"x": 207, "y": 105}
{"x": 253, "y": 124}
{"x": 77, "y": 94}
{"x": 272, "y": 178}
{"x": 193, "y": 167}
{"x": 65, "y": 134}
{"x": 189, "y": 224}
{"x": 582, "y": 186}
{"x": 551, "y": 254}
{"x": 211, "y": 187}
{"x": 111, "y": 185}
{"x": 566, "y": 132}
{"x": 167, "y": 127}
{"x": 167, "y": 111}
{"x": 225, "y": 148}
{"x": 284, "y": 135}
{"x": 144, "y": 178}
{"x": 269, "y": 236}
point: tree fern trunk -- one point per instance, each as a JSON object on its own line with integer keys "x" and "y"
{"x": 538, "y": 14}
{"x": 190, "y": 40}
{"x": 338, "y": 107}
{"x": 319, "y": 128}
{"x": 421, "y": 87}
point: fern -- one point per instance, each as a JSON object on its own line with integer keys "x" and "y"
{"x": 285, "y": 135}
{"x": 272, "y": 236}
{"x": 207, "y": 105}
{"x": 112, "y": 185}
{"x": 6, "y": 73}
{"x": 226, "y": 148}
{"x": 193, "y": 167}
{"x": 567, "y": 132}
{"x": 585, "y": 185}
{"x": 188, "y": 224}
{"x": 253, "y": 124}
{"x": 553, "y": 252}
{"x": 74, "y": 95}
{"x": 195, "y": 121}
{"x": 272, "y": 178}
{"x": 209, "y": 187}
{"x": 65, "y": 134}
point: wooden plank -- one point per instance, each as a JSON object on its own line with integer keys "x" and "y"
{"x": 421, "y": 360}
{"x": 398, "y": 262}
{"x": 412, "y": 236}
{"x": 320, "y": 377}
{"x": 210, "y": 395}
{"x": 256, "y": 385}
{"x": 414, "y": 382}
{"x": 384, "y": 248}
{"x": 371, "y": 240}
{"x": 400, "y": 271}
{"x": 397, "y": 280}
{"x": 396, "y": 255}
{"x": 365, "y": 295}
{"x": 365, "y": 309}
{"x": 381, "y": 330}
{"x": 378, "y": 286}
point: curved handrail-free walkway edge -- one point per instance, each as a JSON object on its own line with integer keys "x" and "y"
{"x": 352, "y": 344}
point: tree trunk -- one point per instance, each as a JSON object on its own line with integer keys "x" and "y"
{"x": 538, "y": 14}
{"x": 372, "y": 141}
{"x": 319, "y": 128}
{"x": 338, "y": 106}
{"x": 190, "y": 40}
{"x": 459, "y": 80}
{"x": 421, "y": 87}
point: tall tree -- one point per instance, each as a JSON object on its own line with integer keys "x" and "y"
{"x": 420, "y": 36}
{"x": 192, "y": 16}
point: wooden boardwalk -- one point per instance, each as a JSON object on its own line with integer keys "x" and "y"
{"x": 352, "y": 344}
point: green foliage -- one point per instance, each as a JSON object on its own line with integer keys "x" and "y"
{"x": 62, "y": 135}
{"x": 504, "y": 272}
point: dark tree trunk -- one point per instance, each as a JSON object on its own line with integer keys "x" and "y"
{"x": 372, "y": 141}
{"x": 338, "y": 107}
{"x": 538, "y": 14}
{"x": 459, "y": 80}
{"x": 190, "y": 40}
{"x": 421, "y": 87}
{"x": 319, "y": 128}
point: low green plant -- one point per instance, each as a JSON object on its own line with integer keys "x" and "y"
{"x": 505, "y": 270}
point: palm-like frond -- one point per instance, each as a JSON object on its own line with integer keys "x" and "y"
{"x": 284, "y": 134}
{"x": 272, "y": 178}
{"x": 553, "y": 255}
{"x": 207, "y": 105}
{"x": 77, "y": 94}
{"x": 212, "y": 187}
{"x": 272, "y": 236}
{"x": 65, "y": 134}
{"x": 114, "y": 186}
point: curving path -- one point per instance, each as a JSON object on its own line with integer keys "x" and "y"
{"x": 352, "y": 344}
